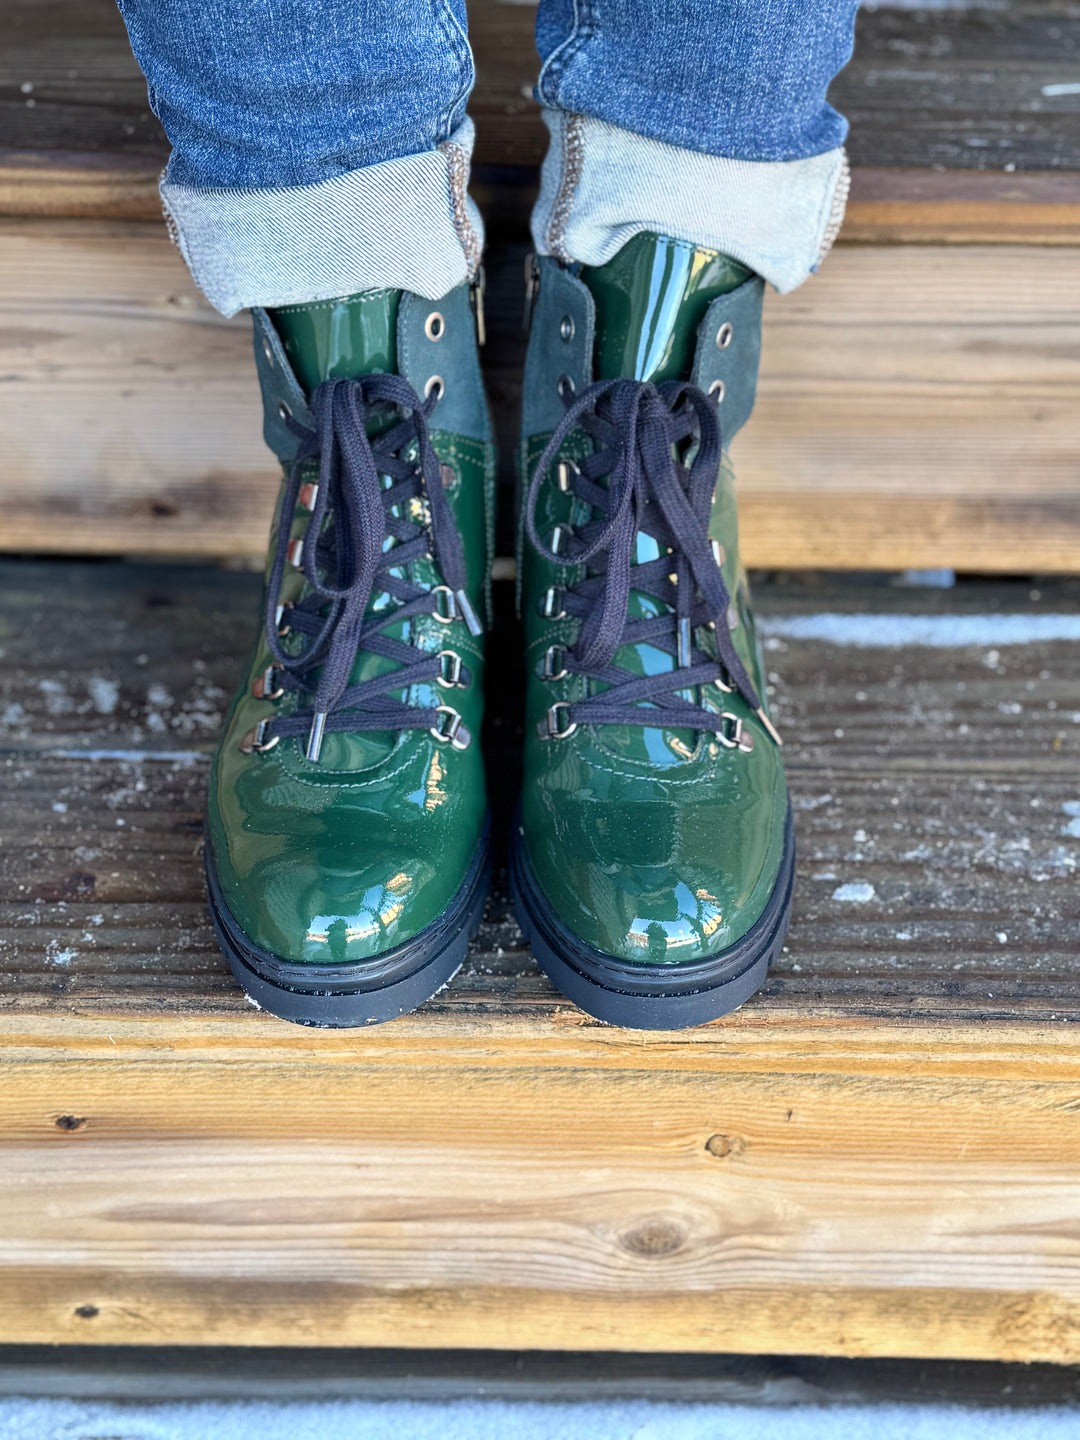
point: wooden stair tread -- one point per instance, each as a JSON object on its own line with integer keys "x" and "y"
{"x": 877, "y": 1155}
{"x": 943, "y": 93}
{"x": 918, "y": 405}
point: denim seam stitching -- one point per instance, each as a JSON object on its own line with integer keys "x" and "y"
{"x": 555, "y": 66}
{"x": 837, "y": 208}
{"x": 457, "y": 177}
{"x": 457, "y": 43}
{"x": 572, "y": 165}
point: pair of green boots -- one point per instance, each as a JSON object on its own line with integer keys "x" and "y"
{"x": 348, "y": 834}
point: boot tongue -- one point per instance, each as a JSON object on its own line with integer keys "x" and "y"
{"x": 344, "y": 339}
{"x": 650, "y": 301}
{"x": 340, "y": 339}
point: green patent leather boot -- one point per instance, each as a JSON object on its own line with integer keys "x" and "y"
{"x": 347, "y": 828}
{"x": 652, "y": 863}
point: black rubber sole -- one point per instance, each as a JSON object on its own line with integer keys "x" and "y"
{"x": 362, "y": 992}
{"x": 651, "y": 997}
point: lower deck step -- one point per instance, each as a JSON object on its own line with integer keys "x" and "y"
{"x": 879, "y": 1155}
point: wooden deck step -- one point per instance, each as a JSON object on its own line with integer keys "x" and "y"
{"x": 919, "y": 403}
{"x": 879, "y": 1155}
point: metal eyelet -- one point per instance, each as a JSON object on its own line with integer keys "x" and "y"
{"x": 295, "y": 553}
{"x": 566, "y": 329}
{"x": 718, "y": 552}
{"x": 268, "y": 351}
{"x": 307, "y": 495}
{"x": 718, "y": 388}
{"x": 551, "y": 606}
{"x": 449, "y": 677}
{"x": 255, "y": 741}
{"x": 733, "y": 735}
{"x": 553, "y": 665}
{"x": 451, "y": 613}
{"x": 563, "y": 472}
{"x": 453, "y": 730}
{"x": 724, "y": 335}
{"x": 566, "y": 387}
{"x": 732, "y": 618}
{"x": 283, "y": 630}
{"x": 448, "y": 475}
{"x": 550, "y": 729}
{"x": 284, "y": 411}
{"x": 434, "y": 326}
{"x": 266, "y": 686}
{"x": 437, "y": 384}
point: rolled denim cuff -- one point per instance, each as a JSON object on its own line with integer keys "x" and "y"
{"x": 600, "y": 185}
{"x": 405, "y": 224}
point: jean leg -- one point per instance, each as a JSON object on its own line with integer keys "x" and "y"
{"x": 704, "y": 119}
{"x": 320, "y": 147}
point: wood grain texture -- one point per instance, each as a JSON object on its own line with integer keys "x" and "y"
{"x": 938, "y": 100}
{"x": 918, "y": 406}
{"x": 879, "y": 1155}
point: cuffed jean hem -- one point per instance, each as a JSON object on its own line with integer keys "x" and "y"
{"x": 601, "y": 185}
{"x": 405, "y": 224}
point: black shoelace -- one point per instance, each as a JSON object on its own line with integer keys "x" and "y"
{"x": 638, "y": 430}
{"x": 346, "y": 560}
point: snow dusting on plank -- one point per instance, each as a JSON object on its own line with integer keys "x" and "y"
{"x": 867, "y": 631}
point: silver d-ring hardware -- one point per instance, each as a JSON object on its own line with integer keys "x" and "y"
{"x": 256, "y": 741}
{"x": 436, "y": 384}
{"x": 295, "y": 552}
{"x": 449, "y": 676}
{"x": 566, "y": 328}
{"x": 724, "y": 335}
{"x": 453, "y": 729}
{"x": 551, "y": 606}
{"x": 448, "y": 476}
{"x": 434, "y": 326}
{"x": 550, "y": 729}
{"x": 266, "y": 686}
{"x": 733, "y": 734}
{"x": 719, "y": 554}
{"x": 268, "y": 351}
{"x": 451, "y": 613}
{"x": 553, "y": 665}
{"x": 719, "y": 389}
{"x": 563, "y": 471}
{"x": 283, "y": 630}
{"x": 566, "y": 387}
{"x": 284, "y": 411}
{"x": 307, "y": 495}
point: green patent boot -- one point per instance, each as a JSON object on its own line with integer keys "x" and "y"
{"x": 652, "y": 864}
{"x": 347, "y": 827}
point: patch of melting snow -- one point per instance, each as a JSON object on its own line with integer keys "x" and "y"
{"x": 936, "y": 631}
{"x": 856, "y": 892}
{"x": 57, "y": 699}
{"x": 55, "y": 954}
{"x": 104, "y": 693}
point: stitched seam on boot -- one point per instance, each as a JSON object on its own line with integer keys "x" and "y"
{"x": 457, "y": 160}
{"x": 839, "y": 206}
{"x": 573, "y": 162}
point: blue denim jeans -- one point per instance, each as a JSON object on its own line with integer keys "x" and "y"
{"x": 322, "y": 147}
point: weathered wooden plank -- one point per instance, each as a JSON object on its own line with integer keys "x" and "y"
{"x": 956, "y": 87}
{"x": 918, "y": 406}
{"x": 878, "y": 1155}
{"x": 929, "y": 89}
